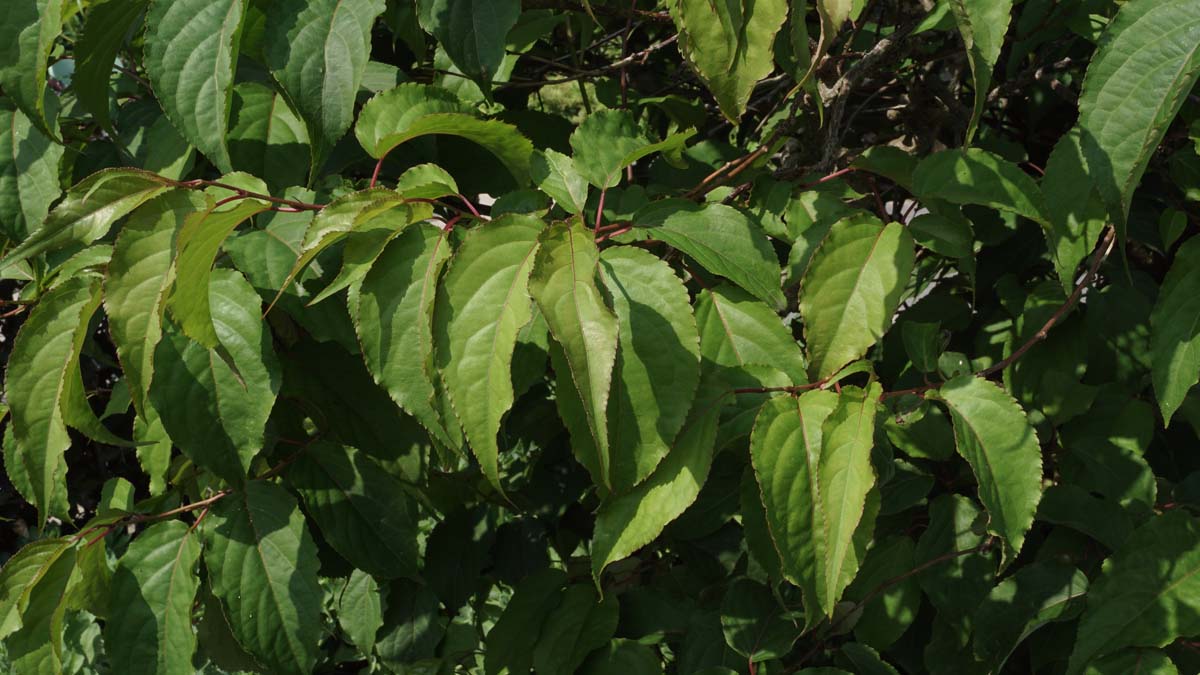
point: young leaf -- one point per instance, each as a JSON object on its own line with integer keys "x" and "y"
{"x": 472, "y": 32}
{"x": 29, "y": 163}
{"x": 149, "y": 630}
{"x": 974, "y": 176}
{"x": 44, "y": 353}
{"x": 361, "y": 509}
{"x": 736, "y": 330}
{"x": 318, "y": 51}
{"x": 262, "y": 564}
{"x": 1174, "y": 338}
{"x": 993, "y": 435}
{"x": 658, "y": 362}
{"x": 982, "y": 24}
{"x": 1147, "y": 594}
{"x": 563, "y": 283}
{"x": 28, "y": 30}
{"x": 191, "y": 56}
{"x": 1147, "y": 62}
{"x": 481, "y": 304}
{"x": 852, "y": 289}
{"x": 729, "y": 45}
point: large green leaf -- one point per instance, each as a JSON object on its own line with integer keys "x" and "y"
{"x": 729, "y": 45}
{"x": 658, "y": 362}
{"x": 44, "y": 354}
{"x": 191, "y": 56}
{"x": 724, "y": 241}
{"x": 318, "y": 52}
{"x": 974, "y": 176}
{"x": 28, "y": 30}
{"x": 511, "y": 641}
{"x": 563, "y": 283}
{"x": 579, "y": 624}
{"x": 472, "y": 32}
{"x": 1147, "y": 594}
{"x": 610, "y": 140}
{"x": 29, "y": 163}
{"x": 1147, "y": 63}
{"x": 392, "y": 310}
{"x": 88, "y": 211}
{"x": 737, "y": 330}
{"x": 214, "y": 403}
{"x": 852, "y": 289}
{"x": 149, "y": 630}
{"x": 994, "y": 436}
{"x": 105, "y": 29}
{"x": 1175, "y": 331}
{"x": 982, "y": 24}
{"x": 361, "y": 509}
{"x": 413, "y": 110}
{"x": 1034, "y": 596}
{"x": 482, "y": 303}
{"x": 266, "y": 138}
{"x": 262, "y": 564}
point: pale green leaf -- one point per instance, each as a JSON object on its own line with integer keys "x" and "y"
{"x": 1034, "y": 596}
{"x": 481, "y": 304}
{"x": 1147, "y": 594}
{"x": 191, "y": 56}
{"x": 149, "y": 630}
{"x": 262, "y": 564}
{"x": 28, "y": 30}
{"x": 1175, "y": 331}
{"x": 426, "y": 181}
{"x": 29, "y": 164}
{"x": 266, "y": 138}
{"x": 361, "y": 509}
{"x": 982, "y": 24}
{"x": 994, "y": 436}
{"x": 556, "y": 175}
{"x": 730, "y": 45}
{"x": 852, "y": 289}
{"x": 658, "y": 361}
{"x": 974, "y": 176}
{"x": 610, "y": 140}
{"x": 318, "y": 52}
{"x": 105, "y": 28}
{"x": 472, "y": 32}
{"x": 563, "y": 283}
{"x": 736, "y": 330}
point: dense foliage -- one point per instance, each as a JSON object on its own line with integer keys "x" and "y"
{"x": 608, "y": 336}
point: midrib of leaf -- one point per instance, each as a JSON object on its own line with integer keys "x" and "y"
{"x": 337, "y": 7}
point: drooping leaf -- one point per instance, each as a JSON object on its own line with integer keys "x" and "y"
{"x": 737, "y": 330}
{"x": 45, "y": 355}
{"x": 982, "y": 24}
{"x": 729, "y": 45}
{"x": 1146, "y": 594}
{"x": 262, "y": 564}
{"x": 266, "y": 138}
{"x": 994, "y": 436}
{"x": 658, "y": 362}
{"x": 318, "y": 52}
{"x": 472, "y": 32}
{"x": 361, "y": 509}
{"x": 191, "y": 56}
{"x": 28, "y": 30}
{"x": 1174, "y": 338}
{"x": 610, "y": 140}
{"x": 563, "y": 283}
{"x": 1146, "y": 64}
{"x": 1034, "y": 596}
{"x": 105, "y": 29}
{"x": 724, "y": 241}
{"x": 974, "y": 176}
{"x": 29, "y": 163}
{"x": 511, "y": 641}
{"x": 851, "y": 290}
{"x": 481, "y": 304}
{"x": 150, "y": 628}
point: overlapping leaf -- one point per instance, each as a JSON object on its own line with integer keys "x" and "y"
{"x": 28, "y": 29}
{"x": 982, "y": 24}
{"x": 29, "y": 164}
{"x": 1175, "y": 340}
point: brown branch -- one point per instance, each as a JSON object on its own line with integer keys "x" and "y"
{"x": 241, "y": 193}
{"x": 600, "y": 10}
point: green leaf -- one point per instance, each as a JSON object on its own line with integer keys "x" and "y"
{"x": 88, "y": 211}
{"x": 867, "y": 661}
{"x": 658, "y": 361}
{"x": 191, "y": 56}
{"x": 361, "y": 509}
{"x": 609, "y": 140}
{"x": 412, "y": 628}
{"x": 1073, "y": 506}
{"x": 28, "y": 30}
{"x": 1076, "y": 212}
{"x": 556, "y": 175}
{"x": 724, "y": 241}
{"x": 729, "y": 44}
{"x": 623, "y": 657}
{"x": 993, "y": 435}
{"x": 149, "y": 629}
{"x": 413, "y": 110}
{"x": 481, "y": 304}
{"x": 753, "y": 622}
{"x": 580, "y": 623}
{"x": 21, "y": 574}
{"x": 886, "y": 614}
{"x": 426, "y": 181}
{"x": 360, "y": 610}
{"x": 105, "y": 29}
{"x": 1147, "y": 594}
{"x": 563, "y": 283}
{"x": 29, "y": 165}
{"x": 1145, "y": 66}
{"x": 736, "y": 330}
{"x": 233, "y": 385}
{"x": 982, "y": 24}
{"x": 37, "y": 648}
{"x": 851, "y": 290}
{"x": 317, "y": 51}
{"x": 266, "y": 138}
{"x": 1034, "y": 596}
{"x": 1174, "y": 336}
{"x": 472, "y": 32}
{"x": 511, "y": 641}
{"x": 262, "y": 564}
{"x": 1140, "y": 661}
{"x": 44, "y": 355}
{"x": 392, "y": 309}
{"x": 974, "y": 176}
{"x": 956, "y": 586}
